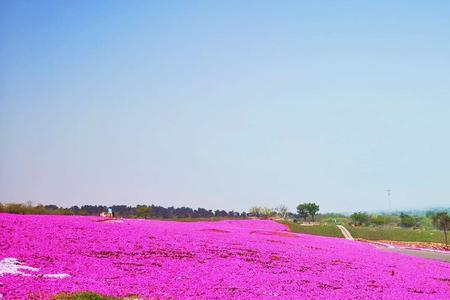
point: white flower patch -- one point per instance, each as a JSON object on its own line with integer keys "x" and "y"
{"x": 11, "y": 265}
{"x": 61, "y": 275}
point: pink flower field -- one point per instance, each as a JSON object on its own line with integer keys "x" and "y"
{"x": 41, "y": 256}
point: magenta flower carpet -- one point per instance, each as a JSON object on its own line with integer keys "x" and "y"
{"x": 41, "y": 256}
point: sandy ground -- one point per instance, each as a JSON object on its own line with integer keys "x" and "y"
{"x": 420, "y": 253}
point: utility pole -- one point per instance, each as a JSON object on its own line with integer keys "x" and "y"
{"x": 388, "y": 191}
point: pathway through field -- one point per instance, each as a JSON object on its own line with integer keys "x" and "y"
{"x": 345, "y": 232}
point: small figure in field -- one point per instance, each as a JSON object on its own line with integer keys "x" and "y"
{"x": 110, "y": 213}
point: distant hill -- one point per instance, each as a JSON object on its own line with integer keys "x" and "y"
{"x": 409, "y": 211}
{"x": 421, "y": 212}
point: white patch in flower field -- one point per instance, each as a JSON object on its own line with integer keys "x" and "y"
{"x": 11, "y": 265}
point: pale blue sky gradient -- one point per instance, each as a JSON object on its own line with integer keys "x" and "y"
{"x": 225, "y": 104}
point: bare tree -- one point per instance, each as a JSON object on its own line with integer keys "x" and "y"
{"x": 442, "y": 221}
{"x": 282, "y": 210}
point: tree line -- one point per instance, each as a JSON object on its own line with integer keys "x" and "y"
{"x": 304, "y": 210}
{"x": 440, "y": 220}
{"x": 139, "y": 211}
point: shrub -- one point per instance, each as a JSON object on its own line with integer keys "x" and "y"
{"x": 144, "y": 211}
{"x": 258, "y": 211}
{"x": 360, "y": 218}
{"x": 407, "y": 220}
{"x": 378, "y": 220}
{"x": 334, "y": 220}
{"x": 426, "y": 223}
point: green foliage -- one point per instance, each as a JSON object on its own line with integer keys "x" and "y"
{"x": 408, "y": 221}
{"x": 255, "y": 211}
{"x": 264, "y": 212}
{"x": 430, "y": 214}
{"x": 426, "y": 223}
{"x": 17, "y": 208}
{"x": 124, "y": 211}
{"x": 360, "y": 218}
{"x": 305, "y": 209}
{"x": 392, "y": 220}
{"x": 312, "y": 208}
{"x": 144, "y": 211}
{"x": 212, "y": 219}
{"x": 334, "y": 220}
{"x": 396, "y": 234}
{"x": 387, "y": 231}
{"x": 332, "y": 215}
{"x": 323, "y": 230}
{"x": 378, "y": 220}
{"x": 269, "y": 212}
{"x": 302, "y": 211}
{"x": 442, "y": 221}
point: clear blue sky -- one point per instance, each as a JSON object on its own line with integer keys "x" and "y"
{"x": 225, "y": 104}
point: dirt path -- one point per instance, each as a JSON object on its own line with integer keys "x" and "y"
{"x": 345, "y": 232}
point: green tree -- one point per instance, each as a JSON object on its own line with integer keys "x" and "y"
{"x": 302, "y": 211}
{"x": 430, "y": 214}
{"x": 143, "y": 211}
{"x": 426, "y": 223}
{"x": 378, "y": 220}
{"x": 407, "y": 220}
{"x": 442, "y": 221}
{"x": 305, "y": 209}
{"x": 360, "y": 218}
{"x": 312, "y": 209}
